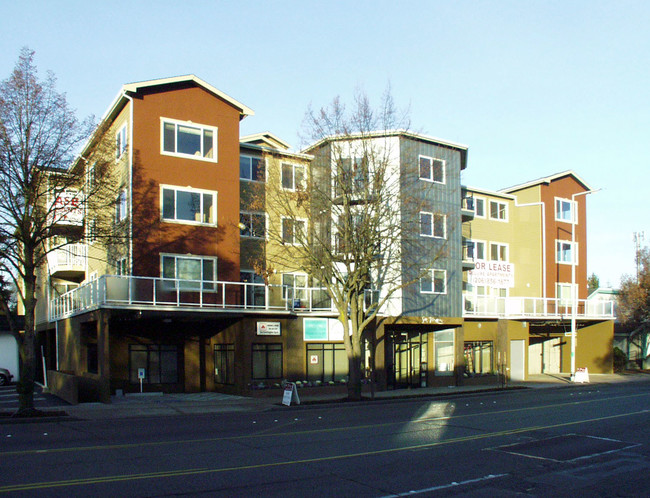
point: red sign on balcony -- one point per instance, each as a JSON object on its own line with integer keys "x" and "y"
{"x": 68, "y": 209}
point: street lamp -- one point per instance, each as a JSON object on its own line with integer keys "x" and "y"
{"x": 574, "y": 290}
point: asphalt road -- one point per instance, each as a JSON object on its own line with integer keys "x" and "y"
{"x": 582, "y": 440}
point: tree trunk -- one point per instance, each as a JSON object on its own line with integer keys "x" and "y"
{"x": 354, "y": 382}
{"x": 25, "y": 386}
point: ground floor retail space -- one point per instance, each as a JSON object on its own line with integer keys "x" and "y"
{"x": 98, "y": 354}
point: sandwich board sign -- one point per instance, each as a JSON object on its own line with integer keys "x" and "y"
{"x": 290, "y": 394}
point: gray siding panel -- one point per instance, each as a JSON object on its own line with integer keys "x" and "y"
{"x": 425, "y": 252}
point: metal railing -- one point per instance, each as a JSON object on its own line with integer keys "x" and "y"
{"x": 532, "y": 307}
{"x": 72, "y": 256}
{"x": 116, "y": 291}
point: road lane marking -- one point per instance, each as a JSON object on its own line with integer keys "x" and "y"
{"x": 301, "y": 433}
{"x": 187, "y": 472}
{"x": 445, "y": 486}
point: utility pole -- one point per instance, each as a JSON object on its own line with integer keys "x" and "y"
{"x": 639, "y": 237}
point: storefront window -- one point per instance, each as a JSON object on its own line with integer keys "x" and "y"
{"x": 326, "y": 362}
{"x": 267, "y": 361}
{"x": 479, "y": 357}
{"x": 444, "y": 351}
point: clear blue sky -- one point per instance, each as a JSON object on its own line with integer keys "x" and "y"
{"x": 532, "y": 87}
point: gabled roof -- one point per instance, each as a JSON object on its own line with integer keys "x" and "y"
{"x": 122, "y": 98}
{"x": 485, "y": 192}
{"x": 265, "y": 138}
{"x": 546, "y": 180}
{"x": 395, "y": 133}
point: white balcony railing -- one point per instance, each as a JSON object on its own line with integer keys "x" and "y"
{"x": 141, "y": 293}
{"x": 114, "y": 291}
{"x": 72, "y": 257}
{"x": 532, "y": 307}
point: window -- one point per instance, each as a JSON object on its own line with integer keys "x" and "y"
{"x": 479, "y": 249}
{"x": 434, "y": 282}
{"x": 122, "y": 267}
{"x": 354, "y": 175}
{"x": 432, "y": 170}
{"x": 252, "y": 295}
{"x": 194, "y": 273}
{"x": 252, "y": 225}
{"x": 433, "y": 225}
{"x": 121, "y": 207}
{"x": 498, "y": 211}
{"x": 565, "y": 210}
{"x": 565, "y": 252}
{"x": 160, "y": 363}
{"x": 91, "y": 230}
{"x": 479, "y": 357}
{"x": 251, "y": 168}
{"x": 564, "y": 294}
{"x": 267, "y": 361}
{"x": 293, "y": 176}
{"x": 120, "y": 142}
{"x": 224, "y": 363}
{"x": 194, "y": 206}
{"x": 479, "y": 207}
{"x": 498, "y": 252}
{"x": 443, "y": 341}
{"x": 293, "y": 231}
{"x": 189, "y": 140}
{"x": 326, "y": 362}
{"x": 294, "y": 286}
{"x": 474, "y": 249}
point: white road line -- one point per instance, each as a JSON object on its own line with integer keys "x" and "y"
{"x": 446, "y": 486}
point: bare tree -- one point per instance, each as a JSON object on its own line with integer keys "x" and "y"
{"x": 43, "y": 191}
{"x": 347, "y": 220}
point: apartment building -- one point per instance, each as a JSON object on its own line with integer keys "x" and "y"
{"x": 528, "y": 244}
{"x": 197, "y": 288}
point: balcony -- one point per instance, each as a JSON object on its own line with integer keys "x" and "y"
{"x": 535, "y": 308}
{"x": 68, "y": 262}
{"x": 467, "y": 208}
{"x": 164, "y": 294}
{"x": 468, "y": 255}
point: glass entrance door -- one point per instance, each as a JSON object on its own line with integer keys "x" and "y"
{"x": 409, "y": 360}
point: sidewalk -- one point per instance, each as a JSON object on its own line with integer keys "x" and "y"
{"x": 158, "y": 404}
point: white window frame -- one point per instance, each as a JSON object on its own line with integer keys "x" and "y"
{"x": 250, "y": 168}
{"x": 293, "y": 220}
{"x": 475, "y": 244}
{"x": 299, "y": 292}
{"x": 190, "y": 284}
{"x": 505, "y": 210}
{"x": 430, "y": 274}
{"x": 294, "y": 166}
{"x": 121, "y": 207}
{"x": 121, "y": 141}
{"x": 563, "y": 301}
{"x": 201, "y": 193}
{"x": 188, "y": 124}
{"x": 478, "y": 200}
{"x": 499, "y": 245}
{"x": 91, "y": 230}
{"x": 573, "y": 213}
{"x": 573, "y": 246}
{"x": 121, "y": 266}
{"x": 430, "y": 177}
{"x": 248, "y": 224}
{"x": 434, "y": 216}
